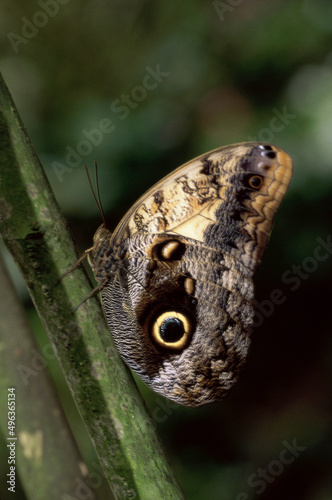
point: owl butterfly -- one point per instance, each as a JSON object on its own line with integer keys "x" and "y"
{"x": 176, "y": 274}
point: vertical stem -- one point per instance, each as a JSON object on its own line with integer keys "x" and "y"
{"x": 36, "y": 234}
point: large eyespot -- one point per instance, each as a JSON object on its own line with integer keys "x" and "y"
{"x": 255, "y": 181}
{"x": 172, "y": 330}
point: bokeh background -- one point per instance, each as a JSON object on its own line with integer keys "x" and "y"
{"x": 229, "y": 71}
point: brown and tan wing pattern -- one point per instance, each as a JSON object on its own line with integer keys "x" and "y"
{"x": 177, "y": 271}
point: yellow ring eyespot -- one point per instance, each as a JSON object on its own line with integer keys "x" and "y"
{"x": 255, "y": 181}
{"x": 172, "y": 330}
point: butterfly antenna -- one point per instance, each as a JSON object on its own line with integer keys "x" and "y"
{"x": 98, "y": 194}
{"x": 96, "y": 197}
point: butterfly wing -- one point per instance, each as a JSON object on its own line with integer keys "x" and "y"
{"x": 180, "y": 305}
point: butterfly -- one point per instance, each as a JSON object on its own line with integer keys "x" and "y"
{"x": 175, "y": 276}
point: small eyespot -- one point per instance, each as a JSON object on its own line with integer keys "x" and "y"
{"x": 270, "y": 154}
{"x": 187, "y": 283}
{"x": 189, "y": 286}
{"x": 255, "y": 182}
{"x": 172, "y": 330}
{"x": 169, "y": 250}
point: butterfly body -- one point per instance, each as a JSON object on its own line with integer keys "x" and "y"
{"x": 176, "y": 274}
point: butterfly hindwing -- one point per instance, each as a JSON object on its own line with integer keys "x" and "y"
{"x": 176, "y": 274}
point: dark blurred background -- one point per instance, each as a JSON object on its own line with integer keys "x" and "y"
{"x": 221, "y": 72}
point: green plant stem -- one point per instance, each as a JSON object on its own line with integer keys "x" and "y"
{"x": 43, "y": 440}
{"x": 36, "y": 234}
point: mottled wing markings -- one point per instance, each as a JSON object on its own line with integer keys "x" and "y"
{"x": 265, "y": 203}
{"x": 186, "y": 205}
{"x": 187, "y": 250}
